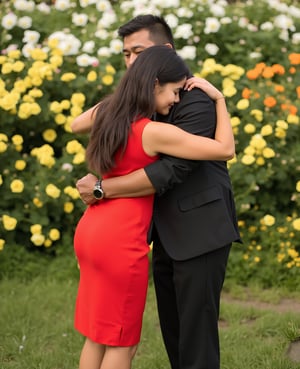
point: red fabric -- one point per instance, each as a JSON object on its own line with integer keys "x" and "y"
{"x": 110, "y": 243}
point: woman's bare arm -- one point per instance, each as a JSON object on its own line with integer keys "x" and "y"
{"x": 83, "y": 123}
{"x": 171, "y": 140}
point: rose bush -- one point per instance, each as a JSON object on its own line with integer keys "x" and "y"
{"x": 59, "y": 58}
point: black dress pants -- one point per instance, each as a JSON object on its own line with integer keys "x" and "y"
{"x": 188, "y": 300}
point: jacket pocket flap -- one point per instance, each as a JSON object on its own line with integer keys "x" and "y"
{"x": 200, "y": 199}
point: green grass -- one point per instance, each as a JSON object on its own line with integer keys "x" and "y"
{"x": 36, "y": 327}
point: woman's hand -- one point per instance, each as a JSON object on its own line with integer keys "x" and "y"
{"x": 206, "y": 86}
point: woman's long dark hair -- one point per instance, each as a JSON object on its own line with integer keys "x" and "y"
{"x": 133, "y": 99}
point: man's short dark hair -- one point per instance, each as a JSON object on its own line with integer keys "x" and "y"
{"x": 159, "y": 31}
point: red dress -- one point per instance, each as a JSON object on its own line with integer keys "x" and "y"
{"x": 110, "y": 243}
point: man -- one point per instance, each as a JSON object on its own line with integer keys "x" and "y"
{"x": 194, "y": 221}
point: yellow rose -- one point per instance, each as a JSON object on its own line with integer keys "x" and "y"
{"x": 67, "y": 77}
{"x": 296, "y": 224}
{"x": 55, "y": 107}
{"x": 7, "y": 68}
{"x": 107, "y": 80}
{"x": 17, "y": 140}
{"x": 38, "y": 54}
{"x": 20, "y": 86}
{"x": 28, "y": 98}
{"x": 37, "y": 239}
{"x": 74, "y": 147}
{"x": 298, "y": 186}
{"x": 18, "y": 66}
{"x": 56, "y": 61}
{"x": 20, "y": 164}
{"x": 249, "y": 128}
{"x": 293, "y": 253}
{"x": 282, "y": 124}
{"x": 249, "y": 150}
{"x": 3, "y": 137}
{"x": 293, "y": 119}
{"x": 233, "y": 71}
{"x": 258, "y": 142}
{"x": 36, "y": 229}
{"x": 79, "y": 158}
{"x": 2, "y": 59}
{"x": 248, "y": 159}
{"x": 53, "y": 43}
{"x": 75, "y": 111}
{"x": 1, "y": 180}
{"x": 54, "y": 234}
{"x": 92, "y": 76}
{"x": 260, "y": 161}
{"x": 49, "y": 135}
{"x": 47, "y": 242}
{"x": 72, "y": 192}
{"x": 52, "y": 191}
{"x": 17, "y": 186}
{"x": 258, "y": 114}
{"x": 252, "y": 229}
{"x": 9, "y": 223}
{"x": 229, "y": 91}
{"x": 35, "y": 109}
{"x": 37, "y": 202}
{"x": 46, "y": 160}
{"x": 110, "y": 69}
{"x": 242, "y": 104}
{"x": 68, "y": 207}
{"x": 78, "y": 99}
{"x": 268, "y": 153}
{"x": 2, "y": 243}
{"x": 14, "y": 54}
{"x": 3, "y": 146}
{"x": 35, "y": 92}
{"x": 280, "y": 132}
{"x": 60, "y": 119}
{"x": 268, "y": 220}
{"x": 266, "y": 130}
{"x": 9, "y": 101}
{"x": 24, "y": 110}
{"x": 65, "y": 104}
{"x": 235, "y": 121}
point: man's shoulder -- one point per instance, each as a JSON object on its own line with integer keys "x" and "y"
{"x": 196, "y": 94}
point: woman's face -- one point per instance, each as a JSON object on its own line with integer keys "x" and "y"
{"x": 167, "y": 95}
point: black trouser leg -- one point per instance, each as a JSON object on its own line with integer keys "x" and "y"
{"x": 188, "y": 296}
{"x": 166, "y": 302}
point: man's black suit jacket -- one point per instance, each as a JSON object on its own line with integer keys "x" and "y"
{"x": 194, "y": 210}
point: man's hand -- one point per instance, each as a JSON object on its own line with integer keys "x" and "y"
{"x": 85, "y": 187}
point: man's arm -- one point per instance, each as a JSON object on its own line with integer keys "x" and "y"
{"x": 196, "y": 114}
{"x": 135, "y": 184}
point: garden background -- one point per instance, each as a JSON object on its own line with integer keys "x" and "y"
{"x": 59, "y": 58}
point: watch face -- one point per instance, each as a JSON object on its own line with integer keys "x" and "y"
{"x": 98, "y": 193}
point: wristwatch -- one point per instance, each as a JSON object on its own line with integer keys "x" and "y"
{"x": 98, "y": 191}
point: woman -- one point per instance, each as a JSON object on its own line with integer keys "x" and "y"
{"x": 110, "y": 239}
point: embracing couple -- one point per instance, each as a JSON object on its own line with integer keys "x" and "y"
{"x": 158, "y": 146}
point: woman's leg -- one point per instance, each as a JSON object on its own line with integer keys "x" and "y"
{"x": 118, "y": 357}
{"x": 91, "y": 355}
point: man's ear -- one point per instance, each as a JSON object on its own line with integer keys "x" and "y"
{"x": 169, "y": 45}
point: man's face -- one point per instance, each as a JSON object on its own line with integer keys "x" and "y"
{"x": 134, "y": 44}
